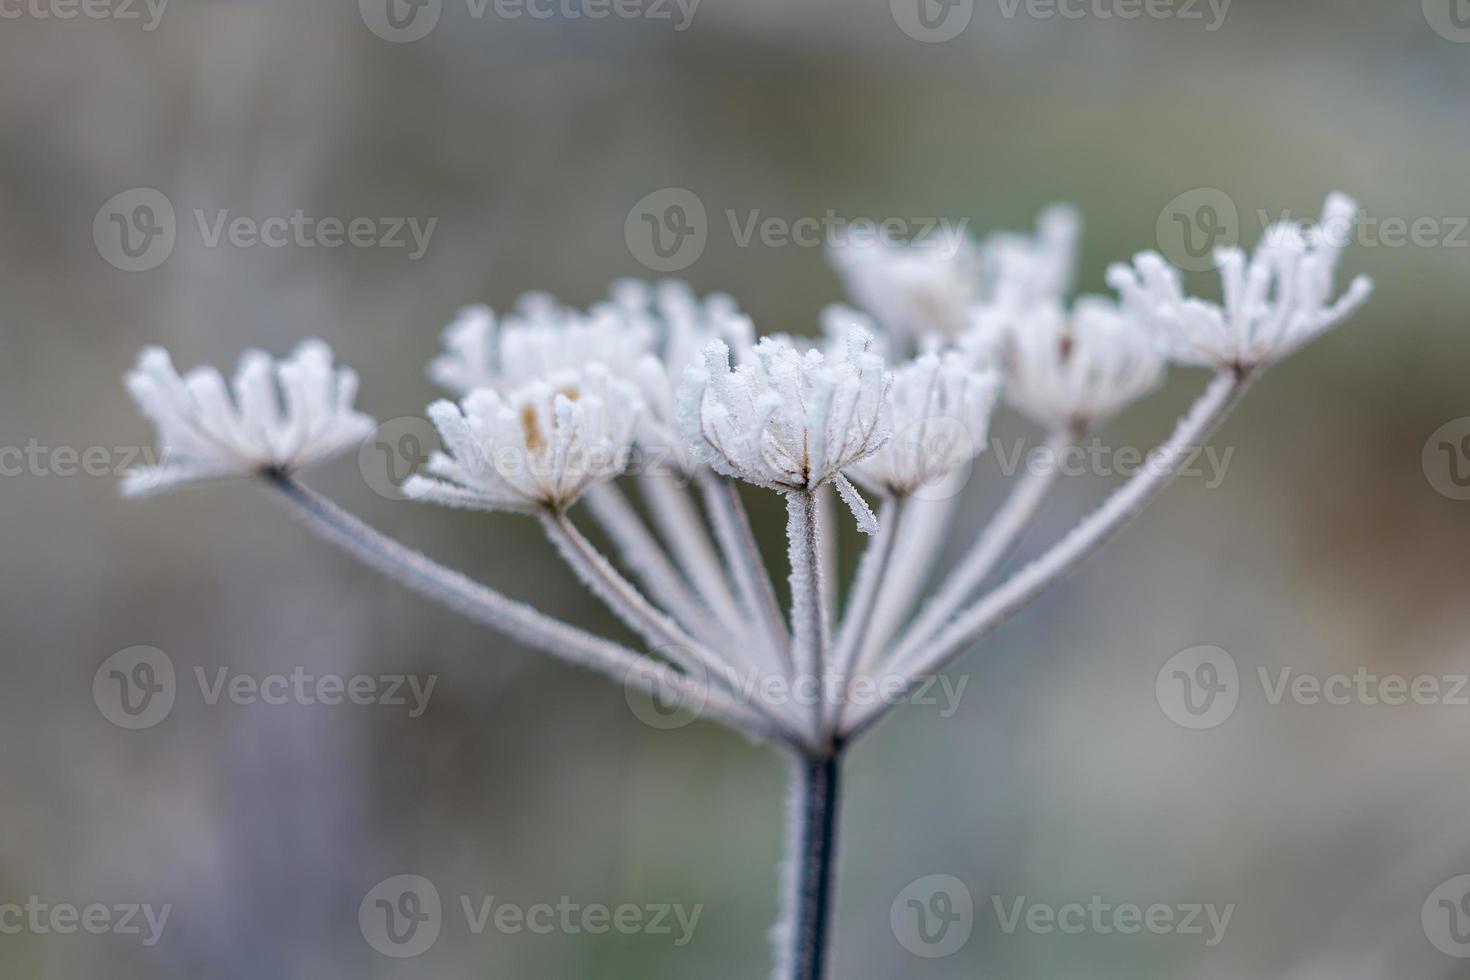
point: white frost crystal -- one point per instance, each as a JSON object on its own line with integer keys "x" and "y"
{"x": 276, "y": 415}
{"x": 1276, "y": 300}
{"x": 539, "y": 446}
{"x": 1077, "y": 367}
{"x": 939, "y": 412}
{"x": 789, "y": 420}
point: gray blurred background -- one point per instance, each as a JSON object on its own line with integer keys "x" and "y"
{"x": 1327, "y": 547}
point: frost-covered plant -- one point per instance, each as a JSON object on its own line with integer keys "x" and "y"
{"x": 676, "y": 394}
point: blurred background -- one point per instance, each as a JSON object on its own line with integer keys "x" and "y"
{"x": 1334, "y": 543}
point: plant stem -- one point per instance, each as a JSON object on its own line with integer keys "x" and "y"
{"x": 683, "y": 530}
{"x": 811, "y": 866}
{"x": 862, "y": 599}
{"x": 1010, "y": 521}
{"x": 808, "y": 620}
{"x": 733, "y": 531}
{"x": 514, "y": 619}
{"x": 1208, "y": 411}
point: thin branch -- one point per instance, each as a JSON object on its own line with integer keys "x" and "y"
{"x": 1021, "y": 588}
{"x": 827, "y": 526}
{"x": 643, "y": 555}
{"x": 683, "y": 530}
{"x": 862, "y": 599}
{"x": 926, "y": 523}
{"x": 628, "y": 604}
{"x": 809, "y": 638}
{"x": 737, "y": 540}
{"x": 515, "y": 619}
{"x": 1000, "y": 535}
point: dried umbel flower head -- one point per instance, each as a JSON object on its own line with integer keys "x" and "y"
{"x": 276, "y": 415}
{"x": 790, "y": 420}
{"x": 483, "y": 351}
{"x": 536, "y": 448}
{"x": 1275, "y": 302}
{"x": 644, "y": 333}
{"x": 1021, "y": 270}
{"x": 553, "y": 400}
{"x": 939, "y": 412}
{"x": 924, "y": 293}
{"x": 915, "y": 290}
{"x": 1080, "y": 367}
{"x": 682, "y": 326}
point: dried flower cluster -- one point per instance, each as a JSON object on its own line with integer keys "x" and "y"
{"x": 674, "y": 391}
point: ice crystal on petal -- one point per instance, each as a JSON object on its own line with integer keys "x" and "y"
{"x": 788, "y": 420}
{"x": 1077, "y": 367}
{"x": 538, "y": 446}
{"x": 918, "y": 289}
{"x": 540, "y": 337}
{"x": 682, "y": 325}
{"x": 1021, "y": 270}
{"x": 643, "y": 333}
{"x": 1275, "y": 301}
{"x": 939, "y": 411}
{"x": 275, "y": 415}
